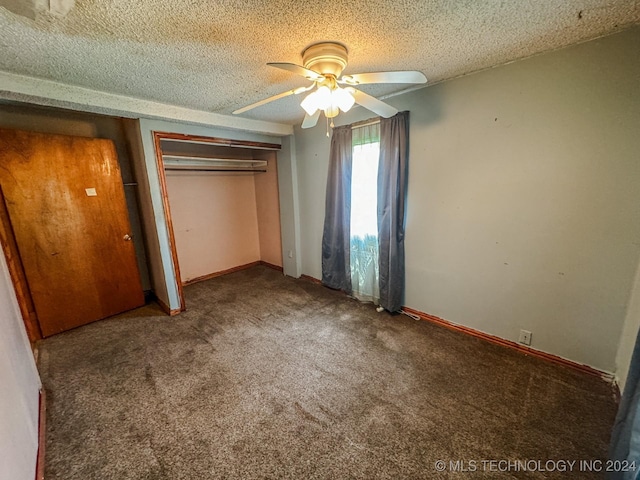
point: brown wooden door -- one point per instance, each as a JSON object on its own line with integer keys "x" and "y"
{"x": 66, "y": 204}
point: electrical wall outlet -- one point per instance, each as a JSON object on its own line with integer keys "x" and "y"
{"x": 525, "y": 337}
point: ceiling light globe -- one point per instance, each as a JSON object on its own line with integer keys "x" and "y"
{"x": 324, "y": 97}
{"x": 343, "y": 99}
{"x": 310, "y": 104}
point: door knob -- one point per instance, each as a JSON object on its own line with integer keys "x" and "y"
{"x": 127, "y": 238}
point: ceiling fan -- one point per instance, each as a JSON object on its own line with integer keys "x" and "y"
{"x": 323, "y": 65}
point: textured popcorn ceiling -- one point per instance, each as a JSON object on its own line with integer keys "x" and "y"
{"x": 211, "y": 55}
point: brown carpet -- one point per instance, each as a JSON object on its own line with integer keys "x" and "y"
{"x": 269, "y": 377}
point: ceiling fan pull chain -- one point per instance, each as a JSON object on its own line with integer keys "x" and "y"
{"x": 328, "y": 125}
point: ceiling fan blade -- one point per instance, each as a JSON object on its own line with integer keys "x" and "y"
{"x": 311, "y": 120}
{"x": 371, "y": 103}
{"x": 266, "y": 100}
{"x": 298, "y": 70}
{"x": 409, "y": 76}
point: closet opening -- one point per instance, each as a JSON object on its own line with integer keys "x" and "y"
{"x": 221, "y": 204}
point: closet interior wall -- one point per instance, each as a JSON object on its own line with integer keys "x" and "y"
{"x": 223, "y": 220}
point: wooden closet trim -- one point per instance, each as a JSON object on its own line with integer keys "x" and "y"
{"x": 157, "y": 136}
{"x": 17, "y": 275}
{"x": 222, "y": 142}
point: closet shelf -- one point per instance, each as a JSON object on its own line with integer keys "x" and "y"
{"x": 209, "y": 164}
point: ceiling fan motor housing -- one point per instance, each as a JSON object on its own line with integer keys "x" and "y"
{"x": 327, "y": 58}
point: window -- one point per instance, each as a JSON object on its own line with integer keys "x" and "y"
{"x": 364, "y": 215}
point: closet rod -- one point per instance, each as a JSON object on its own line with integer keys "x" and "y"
{"x": 193, "y": 169}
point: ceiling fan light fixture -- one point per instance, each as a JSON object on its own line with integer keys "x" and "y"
{"x": 321, "y": 99}
{"x": 323, "y": 66}
{"x": 328, "y": 100}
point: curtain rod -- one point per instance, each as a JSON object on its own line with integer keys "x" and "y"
{"x": 365, "y": 123}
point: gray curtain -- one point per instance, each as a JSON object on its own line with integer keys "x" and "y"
{"x": 336, "y": 268}
{"x": 625, "y": 439}
{"x": 392, "y": 189}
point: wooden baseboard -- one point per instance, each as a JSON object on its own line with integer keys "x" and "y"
{"x": 271, "y": 265}
{"x": 220, "y": 273}
{"x": 42, "y": 434}
{"x": 167, "y": 309}
{"x": 510, "y": 344}
{"x": 231, "y": 270}
{"x": 311, "y": 279}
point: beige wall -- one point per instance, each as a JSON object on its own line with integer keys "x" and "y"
{"x": 629, "y": 334}
{"x": 215, "y": 222}
{"x": 289, "y": 208}
{"x": 19, "y": 389}
{"x": 523, "y": 197}
{"x": 157, "y": 272}
{"x": 268, "y": 210}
